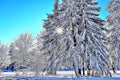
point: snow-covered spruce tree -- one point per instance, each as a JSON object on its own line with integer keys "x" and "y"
{"x": 113, "y": 22}
{"x": 75, "y": 33}
{"x": 47, "y": 36}
{"x": 20, "y": 54}
{"x": 4, "y": 57}
{"x": 52, "y": 21}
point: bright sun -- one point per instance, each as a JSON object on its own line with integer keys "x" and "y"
{"x": 59, "y": 30}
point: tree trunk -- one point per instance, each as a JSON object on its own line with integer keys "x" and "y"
{"x": 37, "y": 73}
{"x": 79, "y": 71}
{"x": 88, "y": 68}
{"x": 113, "y": 68}
{"x": 93, "y": 72}
{"x": 83, "y": 68}
{"x": 83, "y": 71}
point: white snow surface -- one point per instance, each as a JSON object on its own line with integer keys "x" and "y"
{"x": 59, "y": 74}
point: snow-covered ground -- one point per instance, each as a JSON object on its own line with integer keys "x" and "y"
{"x": 53, "y": 78}
{"x": 64, "y": 75}
{"x": 117, "y": 74}
{"x": 70, "y": 74}
{"x": 60, "y": 74}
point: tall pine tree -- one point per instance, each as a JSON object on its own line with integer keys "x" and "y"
{"x": 113, "y": 22}
{"x": 75, "y": 33}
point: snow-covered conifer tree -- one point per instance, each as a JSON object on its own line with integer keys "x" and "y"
{"x": 113, "y": 22}
{"x": 75, "y": 33}
{"x": 20, "y": 54}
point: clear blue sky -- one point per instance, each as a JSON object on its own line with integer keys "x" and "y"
{"x": 18, "y": 16}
